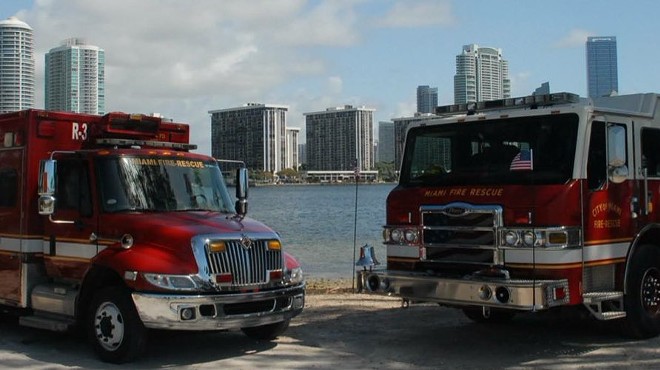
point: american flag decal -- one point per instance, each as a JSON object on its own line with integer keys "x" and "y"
{"x": 523, "y": 161}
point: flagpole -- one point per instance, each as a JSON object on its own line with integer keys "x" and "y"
{"x": 357, "y": 177}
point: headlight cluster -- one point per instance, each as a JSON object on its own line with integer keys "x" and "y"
{"x": 407, "y": 235}
{"x": 549, "y": 237}
{"x": 294, "y": 276}
{"x": 171, "y": 282}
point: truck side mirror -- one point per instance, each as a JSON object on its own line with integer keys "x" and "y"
{"x": 616, "y": 154}
{"x": 241, "y": 191}
{"x": 47, "y": 181}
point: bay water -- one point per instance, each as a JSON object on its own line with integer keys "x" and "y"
{"x": 319, "y": 224}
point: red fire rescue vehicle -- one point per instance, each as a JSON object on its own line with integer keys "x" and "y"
{"x": 526, "y": 204}
{"x": 110, "y": 224}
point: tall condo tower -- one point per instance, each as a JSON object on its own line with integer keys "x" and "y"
{"x": 427, "y": 99}
{"x": 16, "y": 66}
{"x": 254, "y": 133}
{"x": 481, "y": 74}
{"x": 337, "y": 137}
{"x": 75, "y": 77}
{"x": 602, "y": 74}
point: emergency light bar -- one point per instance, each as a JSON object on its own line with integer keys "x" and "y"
{"x": 532, "y": 102}
{"x": 146, "y": 143}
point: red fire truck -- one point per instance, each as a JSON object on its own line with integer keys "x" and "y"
{"x": 110, "y": 224}
{"x": 527, "y": 204}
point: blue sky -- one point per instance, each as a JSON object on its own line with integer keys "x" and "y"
{"x": 184, "y": 58}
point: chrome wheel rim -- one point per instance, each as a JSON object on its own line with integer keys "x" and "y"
{"x": 109, "y": 326}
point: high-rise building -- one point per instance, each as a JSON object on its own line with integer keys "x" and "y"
{"x": 602, "y": 71}
{"x": 337, "y": 137}
{"x": 481, "y": 74}
{"x": 302, "y": 153}
{"x": 75, "y": 77}
{"x": 544, "y": 89}
{"x": 427, "y": 99}
{"x": 16, "y": 66}
{"x": 254, "y": 133}
{"x": 292, "y": 159}
{"x": 386, "y": 141}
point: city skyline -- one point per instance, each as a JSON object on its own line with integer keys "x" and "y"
{"x": 220, "y": 54}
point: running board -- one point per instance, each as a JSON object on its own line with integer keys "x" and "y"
{"x": 605, "y": 305}
{"x": 51, "y": 323}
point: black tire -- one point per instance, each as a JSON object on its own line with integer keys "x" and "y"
{"x": 488, "y": 315}
{"x": 642, "y": 301}
{"x": 267, "y": 332}
{"x": 114, "y": 327}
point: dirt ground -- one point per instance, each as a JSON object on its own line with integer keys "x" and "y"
{"x": 342, "y": 330}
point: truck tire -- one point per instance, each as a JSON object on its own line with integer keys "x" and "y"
{"x": 267, "y": 332}
{"x": 642, "y": 301}
{"x": 488, "y": 315}
{"x": 114, "y": 327}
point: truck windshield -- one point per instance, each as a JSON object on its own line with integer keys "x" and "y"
{"x": 526, "y": 150}
{"x": 136, "y": 183}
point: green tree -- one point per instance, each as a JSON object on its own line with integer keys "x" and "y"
{"x": 386, "y": 171}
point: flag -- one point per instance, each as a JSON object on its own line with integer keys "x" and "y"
{"x": 522, "y": 161}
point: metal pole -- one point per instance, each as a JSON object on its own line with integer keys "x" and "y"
{"x": 357, "y": 175}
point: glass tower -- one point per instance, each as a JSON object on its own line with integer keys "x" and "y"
{"x": 16, "y": 66}
{"x": 427, "y": 99}
{"x": 602, "y": 75}
{"x": 75, "y": 78}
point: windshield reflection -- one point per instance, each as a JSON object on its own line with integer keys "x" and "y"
{"x": 162, "y": 184}
{"x": 527, "y": 150}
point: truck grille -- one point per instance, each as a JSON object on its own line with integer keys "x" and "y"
{"x": 248, "y": 266}
{"x": 460, "y": 232}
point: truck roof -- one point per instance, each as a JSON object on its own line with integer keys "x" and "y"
{"x": 633, "y": 104}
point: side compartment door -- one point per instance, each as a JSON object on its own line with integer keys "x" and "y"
{"x": 11, "y": 234}
{"x": 69, "y": 246}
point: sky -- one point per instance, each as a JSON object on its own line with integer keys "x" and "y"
{"x": 183, "y": 58}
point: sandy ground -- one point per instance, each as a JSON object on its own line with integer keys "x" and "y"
{"x": 343, "y": 330}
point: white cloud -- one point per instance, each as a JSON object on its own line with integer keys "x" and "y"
{"x": 184, "y": 58}
{"x": 575, "y": 38}
{"x": 335, "y": 85}
{"x": 418, "y": 13}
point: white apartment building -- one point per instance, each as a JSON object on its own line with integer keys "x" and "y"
{"x": 16, "y": 66}
{"x": 481, "y": 74}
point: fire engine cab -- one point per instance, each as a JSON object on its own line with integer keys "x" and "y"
{"x": 110, "y": 224}
{"x": 528, "y": 204}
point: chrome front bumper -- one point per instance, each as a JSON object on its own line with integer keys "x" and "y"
{"x": 219, "y": 311}
{"x": 527, "y": 295}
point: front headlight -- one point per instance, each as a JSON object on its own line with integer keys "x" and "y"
{"x": 552, "y": 237}
{"x": 171, "y": 282}
{"x": 295, "y": 276}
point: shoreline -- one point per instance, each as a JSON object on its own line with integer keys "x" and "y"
{"x": 318, "y": 286}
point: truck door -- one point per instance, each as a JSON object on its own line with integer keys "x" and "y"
{"x": 608, "y": 221}
{"x": 648, "y": 172}
{"x": 70, "y": 247}
{"x": 11, "y": 234}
